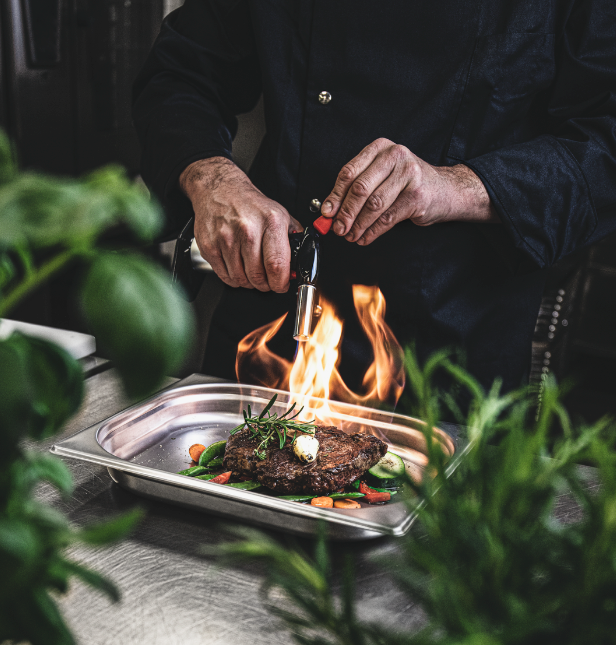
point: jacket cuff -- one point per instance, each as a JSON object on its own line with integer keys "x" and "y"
{"x": 541, "y": 195}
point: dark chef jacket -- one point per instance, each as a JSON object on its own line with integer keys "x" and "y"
{"x": 523, "y": 92}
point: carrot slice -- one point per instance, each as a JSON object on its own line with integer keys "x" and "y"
{"x": 195, "y": 451}
{"x": 346, "y": 503}
{"x": 221, "y": 479}
{"x": 323, "y": 502}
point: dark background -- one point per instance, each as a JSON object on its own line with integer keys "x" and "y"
{"x": 66, "y": 69}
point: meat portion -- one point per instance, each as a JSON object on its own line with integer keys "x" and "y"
{"x": 342, "y": 459}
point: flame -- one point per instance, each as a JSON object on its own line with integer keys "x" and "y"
{"x": 314, "y": 372}
{"x": 256, "y": 364}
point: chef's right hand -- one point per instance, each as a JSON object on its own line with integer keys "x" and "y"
{"x": 242, "y": 233}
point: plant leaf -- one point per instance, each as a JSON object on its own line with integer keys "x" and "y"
{"x": 266, "y": 409}
{"x": 42, "y": 386}
{"x": 51, "y": 469}
{"x": 139, "y": 319}
{"x": 111, "y": 530}
{"x": 92, "y": 579}
{"x": 8, "y": 168}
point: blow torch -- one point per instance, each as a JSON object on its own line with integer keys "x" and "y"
{"x": 189, "y": 269}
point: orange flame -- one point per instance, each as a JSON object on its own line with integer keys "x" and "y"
{"x": 314, "y": 372}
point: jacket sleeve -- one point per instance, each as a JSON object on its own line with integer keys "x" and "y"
{"x": 557, "y": 193}
{"x": 202, "y": 71}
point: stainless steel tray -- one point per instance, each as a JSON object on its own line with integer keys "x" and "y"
{"x": 144, "y": 446}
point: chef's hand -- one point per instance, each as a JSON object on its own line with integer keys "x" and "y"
{"x": 386, "y": 183}
{"x": 239, "y": 231}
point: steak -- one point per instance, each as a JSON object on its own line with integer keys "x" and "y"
{"x": 342, "y": 458}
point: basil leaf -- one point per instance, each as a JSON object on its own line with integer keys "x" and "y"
{"x": 42, "y": 386}
{"x": 138, "y": 318}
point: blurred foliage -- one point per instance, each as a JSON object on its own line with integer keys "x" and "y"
{"x": 45, "y": 224}
{"x": 487, "y": 559}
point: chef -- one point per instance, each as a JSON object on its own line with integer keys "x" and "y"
{"x": 461, "y": 148}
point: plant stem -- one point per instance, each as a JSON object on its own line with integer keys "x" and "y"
{"x": 34, "y": 279}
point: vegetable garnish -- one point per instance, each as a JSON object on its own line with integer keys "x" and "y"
{"x": 194, "y": 471}
{"x": 268, "y": 426}
{"x": 221, "y": 479}
{"x": 323, "y": 502}
{"x": 195, "y": 451}
{"x": 217, "y": 449}
{"x": 346, "y": 503}
{"x": 377, "y": 498}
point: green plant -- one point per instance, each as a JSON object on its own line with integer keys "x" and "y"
{"x": 46, "y": 223}
{"x": 490, "y": 565}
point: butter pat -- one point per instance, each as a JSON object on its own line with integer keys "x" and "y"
{"x": 306, "y": 448}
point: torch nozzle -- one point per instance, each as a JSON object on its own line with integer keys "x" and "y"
{"x": 306, "y": 303}
{"x": 305, "y": 264}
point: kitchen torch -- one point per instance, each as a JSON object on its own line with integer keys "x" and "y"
{"x": 189, "y": 269}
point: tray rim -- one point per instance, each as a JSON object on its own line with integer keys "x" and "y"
{"x": 96, "y": 454}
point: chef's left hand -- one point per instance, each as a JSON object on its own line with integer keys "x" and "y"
{"x": 386, "y": 183}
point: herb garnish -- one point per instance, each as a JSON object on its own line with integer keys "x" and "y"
{"x": 268, "y": 427}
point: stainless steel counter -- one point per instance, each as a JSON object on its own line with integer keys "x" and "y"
{"x": 170, "y": 592}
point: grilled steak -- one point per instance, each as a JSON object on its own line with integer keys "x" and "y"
{"x": 342, "y": 459}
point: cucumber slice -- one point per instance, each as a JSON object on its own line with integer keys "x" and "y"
{"x": 215, "y": 450}
{"x": 389, "y": 472}
{"x": 249, "y": 485}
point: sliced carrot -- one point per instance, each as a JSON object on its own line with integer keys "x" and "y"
{"x": 323, "y": 502}
{"x": 221, "y": 479}
{"x": 377, "y": 498}
{"x": 195, "y": 451}
{"x": 346, "y": 503}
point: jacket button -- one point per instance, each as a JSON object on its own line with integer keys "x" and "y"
{"x": 315, "y": 205}
{"x": 325, "y": 98}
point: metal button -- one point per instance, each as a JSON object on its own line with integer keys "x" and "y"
{"x": 552, "y": 328}
{"x": 315, "y": 205}
{"x": 565, "y": 322}
{"x": 557, "y": 307}
{"x": 561, "y": 292}
{"x": 325, "y": 98}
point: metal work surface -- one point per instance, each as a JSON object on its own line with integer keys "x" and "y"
{"x": 171, "y": 593}
{"x": 145, "y": 446}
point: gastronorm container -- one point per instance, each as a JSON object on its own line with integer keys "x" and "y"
{"x": 144, "y": 447}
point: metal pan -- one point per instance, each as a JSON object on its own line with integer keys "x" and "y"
{"x": 145, "y": 446}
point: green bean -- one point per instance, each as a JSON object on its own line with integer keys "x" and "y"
{"x": 214, "y": 450}
{"x": 249, "y": 485}
{"x": 194, "y": 471}
{"x": 297, "y": 498}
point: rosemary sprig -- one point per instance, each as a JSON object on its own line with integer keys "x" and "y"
{"x": 268, "y": 426}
